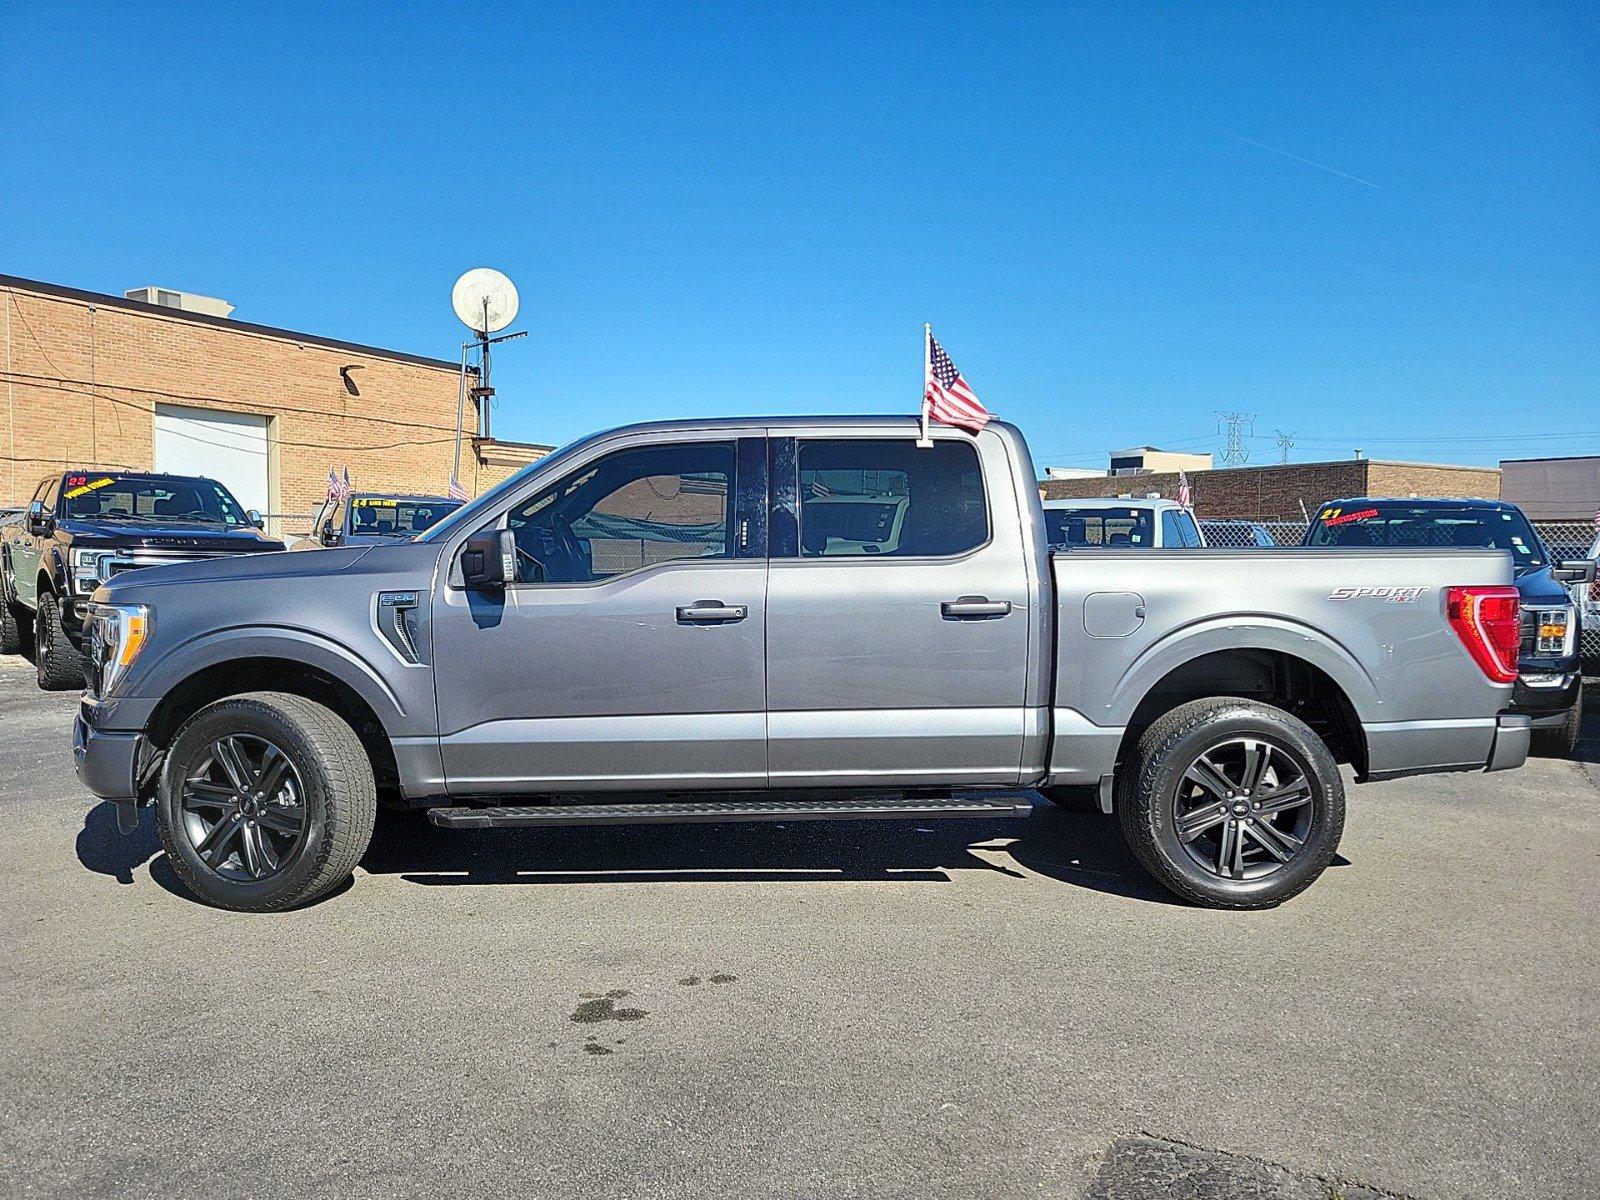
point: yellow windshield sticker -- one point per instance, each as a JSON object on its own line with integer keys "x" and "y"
{"x": 74, "y": 493}
{"x": 372, "y": 502}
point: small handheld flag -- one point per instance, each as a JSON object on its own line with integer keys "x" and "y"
{"x": 946, "y": 396}
{"x": 456, "y": 491}
{"x": 1184, "y": 496}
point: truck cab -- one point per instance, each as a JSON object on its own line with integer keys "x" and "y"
{"x": 84, "y": 527}
{"x": 1146, "y": 524}
{"x": 372, "y": 518}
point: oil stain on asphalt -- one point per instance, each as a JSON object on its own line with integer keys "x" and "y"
{"x": 593, "y": 1008}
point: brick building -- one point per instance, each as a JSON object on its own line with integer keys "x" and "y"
{"x": 1276, "y": 493}
{"x": 109, "y": 381}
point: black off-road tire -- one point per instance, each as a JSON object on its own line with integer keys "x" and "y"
{"x": 61, "y": 667}
{"x": 339, "y": 795}
{"x": 1079, "y": 798}
{"x": 16, "y": 624}
{"x": 1148, "y": 783}
{"x": 1562, "y": 741}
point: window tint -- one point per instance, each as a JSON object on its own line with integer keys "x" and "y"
{"x": 1170, "y": 534}
{"x": 1424, "y": 526}
{"x": 869, "y": 498}
{"x": 628, "y": 510}
{"x": 1188, "y": 530}
{"x": 134, "y": 497}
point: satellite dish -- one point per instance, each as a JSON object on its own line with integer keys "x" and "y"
{"x": 484, "y": 293}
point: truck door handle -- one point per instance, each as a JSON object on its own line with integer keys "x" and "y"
{"x": 711, "y": 612}
{"x": 974, "y": 608}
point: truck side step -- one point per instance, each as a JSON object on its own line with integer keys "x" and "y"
{"x": 708, "y": 811}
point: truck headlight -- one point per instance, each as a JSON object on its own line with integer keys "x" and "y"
{"x": 117, "y": 633}
{"x": 89, "y": 568}
{"x": 1556, "y": 628}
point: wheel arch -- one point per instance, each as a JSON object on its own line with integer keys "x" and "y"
{"x": 1267, "y": 674}
{"x": 219, "y": 680}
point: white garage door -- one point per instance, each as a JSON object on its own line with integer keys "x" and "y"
{"x": 228, "y": 447}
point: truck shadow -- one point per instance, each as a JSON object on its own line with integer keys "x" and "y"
{"x": 1081, "y": 849}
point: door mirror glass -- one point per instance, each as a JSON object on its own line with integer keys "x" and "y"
{"x": 39, "y": 520}
{"x": 489, "y": 559}
{"x": 255, "y": 519}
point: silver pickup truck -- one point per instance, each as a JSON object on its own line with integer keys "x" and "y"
{"x": 785, "y": 619}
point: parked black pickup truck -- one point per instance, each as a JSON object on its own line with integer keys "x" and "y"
{"x": 1549, "y": 685}
{"x": 84, "y": 527}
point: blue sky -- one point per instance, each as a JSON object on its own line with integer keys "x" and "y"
{"x": 1377, "y": 226}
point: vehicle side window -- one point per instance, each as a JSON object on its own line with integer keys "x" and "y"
{"x": 884, "y": 497}
{"x": 1170, "y": 534}
{"x": 1189, "y": 530}
{"x": 52, "y": 492}
{"x": 631, "y": 509}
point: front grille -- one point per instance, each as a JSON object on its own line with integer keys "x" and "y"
{"x": 135, "y": 560}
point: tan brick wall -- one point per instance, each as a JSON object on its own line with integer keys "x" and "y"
{"x": 1276, "y": 493}
{"x": 81, "y": 381}
{"x": 1403, "y": 479}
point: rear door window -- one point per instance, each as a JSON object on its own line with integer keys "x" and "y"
{"x": 886, "y": 498}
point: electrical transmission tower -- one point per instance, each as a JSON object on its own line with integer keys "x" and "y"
{"x": 1285, "y": 444}
{"x": 1237, "y": 426}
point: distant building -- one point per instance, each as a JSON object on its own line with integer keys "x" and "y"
{"x": 1287, "y": 492}
{"x": 1148, "y": 458}
{"x": 164, "y": 380}
{"x": 1073, "y": 473}
{"x": 1553, "y": 489}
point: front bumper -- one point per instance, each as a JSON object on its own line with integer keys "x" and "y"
{"x": 1546, "y": 696}
{"x": 108, "y": 763}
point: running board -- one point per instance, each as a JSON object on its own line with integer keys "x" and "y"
{"x": 708, "y": 811}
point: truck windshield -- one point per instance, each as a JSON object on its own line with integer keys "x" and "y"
{"x": 394, "y": 516}
{"x": 1100, "y": 526}
{"x": 95, "y": 496}
{"x": 1429, "y": 526}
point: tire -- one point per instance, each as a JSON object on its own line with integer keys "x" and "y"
{"x": 1279, "y": 844}
{"x": 250, "y": 863}
{"x": 16, "y": 626}
{"x": 61, "y": 667}
{"x": 1562, "y": 741}
{"x": 1080, "y": 798}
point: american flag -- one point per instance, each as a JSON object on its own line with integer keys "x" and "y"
{"x": 338, "y": 489}
{"x": 1185, "y": 498}
{"x": 946, "y": 396}
{"x": 456, "y": 491}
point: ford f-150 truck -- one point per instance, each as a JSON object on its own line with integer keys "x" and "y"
{"x": 83, "y": 527}
{"x": 647, "y": 627}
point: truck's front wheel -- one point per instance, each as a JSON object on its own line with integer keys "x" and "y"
{"x": 60, "y": 665}
{"x": 266, "y": 802}
{"x": 1231, "y": 803}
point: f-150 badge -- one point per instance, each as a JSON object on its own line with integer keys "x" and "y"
{"x": 1391, "y": 595}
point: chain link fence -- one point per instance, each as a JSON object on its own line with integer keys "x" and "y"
{"x": 1566, "y": 540}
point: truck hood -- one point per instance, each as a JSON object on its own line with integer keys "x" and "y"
{"x": 174, "y": 534}
{"x": 254, "y": 569}
{"x": 1537, "y": 587}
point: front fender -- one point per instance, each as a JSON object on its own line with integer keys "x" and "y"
{"x": 1253, "y": 632}
{"x": 295, "y": 645}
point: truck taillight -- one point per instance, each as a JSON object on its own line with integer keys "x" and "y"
{"x": 1488, "y": 622}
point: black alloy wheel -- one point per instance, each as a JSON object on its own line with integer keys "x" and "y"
{"x": 244, "y": 809}
{"x": 1243, "y": 809}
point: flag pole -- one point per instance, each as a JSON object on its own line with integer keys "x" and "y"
{"x": 924, "y": 442}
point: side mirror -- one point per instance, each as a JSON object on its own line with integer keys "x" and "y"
{"x": 39, "y": 521}
{"x": 255, "y": 518}
{"x": 489, "y": 559}
{"x": 1574, "y": 570}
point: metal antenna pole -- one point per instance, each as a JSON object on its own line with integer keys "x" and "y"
{"x": 461, "y": 405}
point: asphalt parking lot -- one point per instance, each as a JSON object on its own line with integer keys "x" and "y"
{"x": 967, "y": 1009}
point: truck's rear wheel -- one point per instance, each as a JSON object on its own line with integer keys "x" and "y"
{"x": 60, "y": 666}
{"x": 266, "y": 802}
{"x": 16, "y": 624}
{"x": 1231, "y": 803}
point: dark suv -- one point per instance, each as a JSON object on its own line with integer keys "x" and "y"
{"x": 84, "y": 527}
{"x": 1549, "y": 678}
